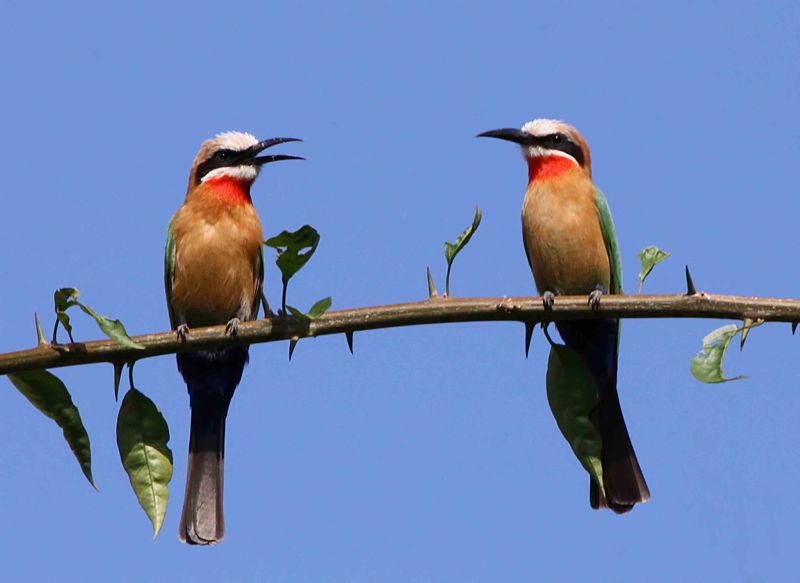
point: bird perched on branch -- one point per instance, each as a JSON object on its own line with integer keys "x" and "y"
{"x": 572, "y": 249}
{"x": 213, "y": 272}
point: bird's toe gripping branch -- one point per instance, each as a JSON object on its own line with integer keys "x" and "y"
{"x": 232, "y": 327}
{"x": 595, "y": 295}
{"x": 548, "y": 299}
{"x": 182, "y": 332}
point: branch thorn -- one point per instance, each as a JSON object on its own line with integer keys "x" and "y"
{"x": 40, "y": 339}
{"x": 690, "y": 289}
{"x": 529, "y": 328}
{"x": 432, "y": 293}
{"x": 118, "y": 366}
{"x": 349, "y": 336}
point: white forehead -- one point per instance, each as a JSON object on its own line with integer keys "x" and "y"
{"x": 545, "y": 127}
{"x": 232, "y": 141}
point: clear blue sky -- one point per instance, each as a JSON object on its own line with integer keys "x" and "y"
{"x": 430, "y": 455}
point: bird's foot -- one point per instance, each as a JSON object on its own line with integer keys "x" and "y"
{"x": 595, "y": 295}
{"x": 232, "y": 327}
{"x": 182, "y": 332}
{"x": 548, "y": 299}
{"x": 546, "y": 333}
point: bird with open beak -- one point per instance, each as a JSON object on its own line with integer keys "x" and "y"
{"x": 213, "y": 273}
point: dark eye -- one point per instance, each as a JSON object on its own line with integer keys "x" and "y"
{"x": 557, "y": 138}
{"x": 223, "y": 154}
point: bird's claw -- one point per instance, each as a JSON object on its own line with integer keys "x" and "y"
{"x": 595, "y": 295}
{"x": 548, "y": 299}
{"x": 545, "y": 325}
{"x": 232, "y": 327}
{"x": 182, "y": 332}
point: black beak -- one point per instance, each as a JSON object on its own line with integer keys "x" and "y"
{"x": 251, "y": 157}
{"x": 511, "y": 135}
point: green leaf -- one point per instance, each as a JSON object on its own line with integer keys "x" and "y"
{"x": 707, "y": 364}
{"x": 112, "y": 328}
{"x": 290, "y": 247}
{"x": 572, "y": 395}
{"x": 291, "y": 258}
{"x": 452, "y": 249}
{"x": 142, "y": 439}
{"x": 63, "y": 299}
{"x": 298, "y": 314}
{"x": 47, "y": 393}
{"x": 315, "y": 312}
{"x": 649, "y": 257}
{"x": 320, "y": 307}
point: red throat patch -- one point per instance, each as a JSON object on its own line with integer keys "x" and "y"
{"x": 543, "y": 168}
{"x": 232, "y": 190}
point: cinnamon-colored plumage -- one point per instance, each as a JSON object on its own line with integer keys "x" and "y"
{"x": 217, "y": 251}
{"x": 213, "y": 275}
{"x": 572, "y": 249}
{"x": 562, "y": 235}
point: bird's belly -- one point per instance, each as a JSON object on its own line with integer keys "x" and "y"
{"x": 214, "y": 280}
{"x": 565, "y": 247}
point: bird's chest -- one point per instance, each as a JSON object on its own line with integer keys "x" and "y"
{"x": 564, "y": 241}
{"x": 217, "y": 254}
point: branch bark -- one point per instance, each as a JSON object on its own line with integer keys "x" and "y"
{"x": 435, "y": 311}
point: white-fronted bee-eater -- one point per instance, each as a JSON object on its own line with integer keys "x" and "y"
{"x": 213, "y": 273}
{"x": 572, "y": 249}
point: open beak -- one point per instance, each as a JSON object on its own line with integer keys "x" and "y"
{"x": 511, "y": 135}
{"x": 251, "y": 157}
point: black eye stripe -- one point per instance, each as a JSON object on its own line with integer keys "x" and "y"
{"x": 561, "y": 142}
{"x": 220, "y": 159}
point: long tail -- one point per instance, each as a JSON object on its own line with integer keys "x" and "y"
{"x": 596, "y": 341}
{"x": 211, "y": 379}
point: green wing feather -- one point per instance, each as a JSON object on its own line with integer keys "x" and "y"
{"x": 612, "y": 246}
{"x": 610, "y": 238}
{"x": 169, "y": 271}
{"x": 259, "y": 271}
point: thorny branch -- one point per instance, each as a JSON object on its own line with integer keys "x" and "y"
{"x": 434, "y": 311}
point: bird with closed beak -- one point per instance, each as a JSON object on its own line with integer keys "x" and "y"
{"x": 213, "y": 274}
{"x": 572, "y": 249}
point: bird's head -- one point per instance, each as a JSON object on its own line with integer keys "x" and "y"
{"x": 234, "y": 155}
{"x": 545, "y": 138}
